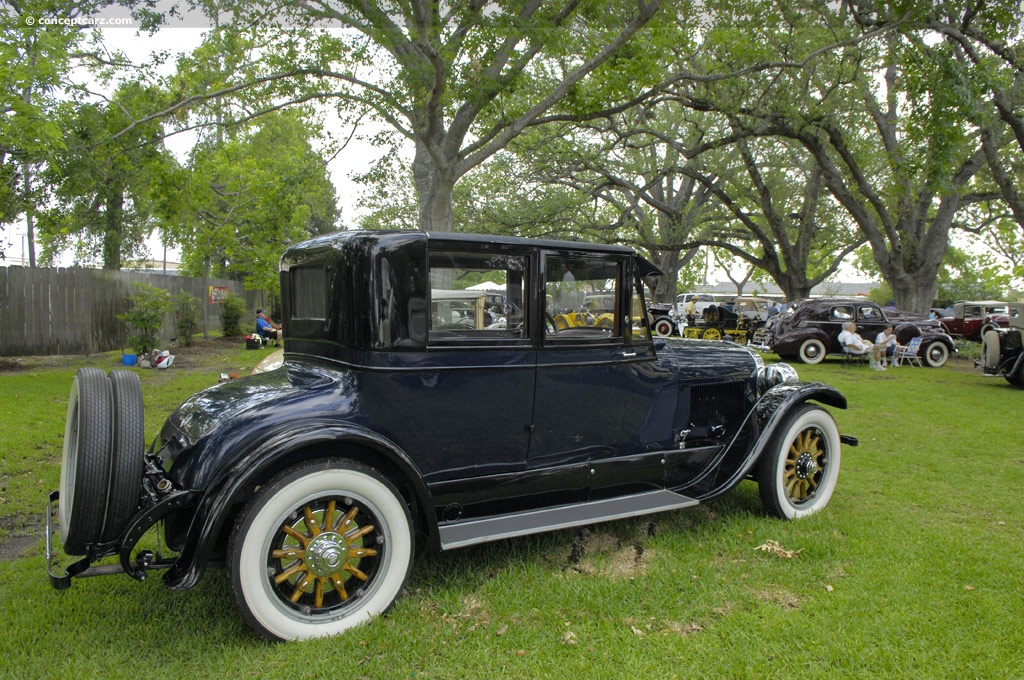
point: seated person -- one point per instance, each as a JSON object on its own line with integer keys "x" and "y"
{"x": 887, "y": 340}
{"x": 854, "y": 344}
{"x": 266, "y": 328}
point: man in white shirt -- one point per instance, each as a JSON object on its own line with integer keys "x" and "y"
{"x": 854, "y": 344}
{"x": 888, "y": 342}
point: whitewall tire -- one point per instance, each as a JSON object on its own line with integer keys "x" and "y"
{"x": 322, "y": 548}
{"x": 797, "y": 473}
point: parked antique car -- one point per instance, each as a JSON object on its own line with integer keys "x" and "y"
{"x": 391, "y": 428}
{"x": 722, "y": 323}
{"x": 1002, "y": 350}
{"x": 809, "y": 330}
{"x": 669, "y": 318}
{"x": 971, "y": 319}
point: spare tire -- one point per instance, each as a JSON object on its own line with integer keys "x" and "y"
{"x": 127, "y": 452}
{"x": 990, "y": 350}
{"x": 85, "y": 461}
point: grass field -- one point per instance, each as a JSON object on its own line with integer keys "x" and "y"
{"x": 913, "y": 571}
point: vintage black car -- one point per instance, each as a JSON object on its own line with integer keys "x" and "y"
{"x": 401, "y": 419}
{"x": 809, "y": 330}
{"x": 1002, "y": 349}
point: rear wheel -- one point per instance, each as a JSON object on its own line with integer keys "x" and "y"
{"x": 323, "y": 547}
{"x": 712, "y": 333}
{"x": 798, "y": 471}
{"x": 663, "y": 327}
{"x": 935, "y": 354}
{"x": 85, "y": 461}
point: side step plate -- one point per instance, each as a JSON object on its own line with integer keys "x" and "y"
{"x": 470, "y": 532}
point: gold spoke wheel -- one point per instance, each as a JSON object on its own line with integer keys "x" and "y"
{"x": 317, "y": 555}
{"x": 805, "y": 465}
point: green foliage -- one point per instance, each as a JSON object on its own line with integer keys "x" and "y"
{"x": 35, "y": 64}
{"x": 881, "y": 294}
{"x": 102, "y": 183}
{"x": 188, "y": 311}
{"x": 231, "y": 312}
{"x": 971, "y": 276}
{"x": 241, "y": 202}
{"x": 149, "y": 306}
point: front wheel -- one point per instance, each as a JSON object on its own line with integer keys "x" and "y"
{"x": 812, "y": 351}
{"x": 797, "y": 473}
{"x": 321, "y": 548}
{"x": 935, "y": 354}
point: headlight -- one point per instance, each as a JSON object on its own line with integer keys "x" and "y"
{"x": 775, "y": 374}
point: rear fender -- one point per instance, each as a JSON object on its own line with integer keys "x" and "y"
{"x": 234, "y": 484}
{"x": 790, "y": 340}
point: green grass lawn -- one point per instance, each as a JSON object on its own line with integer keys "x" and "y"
{"x": 913, "y": 571}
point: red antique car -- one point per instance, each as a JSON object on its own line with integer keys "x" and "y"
{"x": 970, "y": 319}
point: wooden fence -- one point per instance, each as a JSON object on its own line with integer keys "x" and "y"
{"x": 46, "y": 311}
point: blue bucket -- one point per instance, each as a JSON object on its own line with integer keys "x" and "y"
{"x": 128, "y": 359}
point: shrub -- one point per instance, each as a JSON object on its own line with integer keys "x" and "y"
{"x": 188, "y": 310}
{"x": 149, "y": 305}
{"x": 231, "y": 312}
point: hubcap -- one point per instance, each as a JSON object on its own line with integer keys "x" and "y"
{"x": 320, "y": 554}
{"x": 805, "y": 465}
{"x": 325, "y": 554}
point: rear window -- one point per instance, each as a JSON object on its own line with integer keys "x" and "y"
{"x": 309, "y": 293}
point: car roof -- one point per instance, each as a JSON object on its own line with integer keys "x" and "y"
{"x": 386, "y": 237}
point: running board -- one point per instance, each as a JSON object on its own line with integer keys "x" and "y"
{"x": 470, "y": 532}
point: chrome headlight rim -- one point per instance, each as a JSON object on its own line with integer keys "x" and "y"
{"x": 775, "y": 374}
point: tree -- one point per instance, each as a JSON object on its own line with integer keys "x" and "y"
{"x": 983, "y": 83}
{"x": 877, "y": 130}
{"x": 241, "y": 203}
{"x": 36, "y": 61}
{"x": 784, "y": 222}
{"x": 101, "y": 186}
{"x": 458, "y": 82}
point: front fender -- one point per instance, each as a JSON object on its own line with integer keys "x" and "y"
{"x": 771, "y": 410}
{"x": 232, "y": 485}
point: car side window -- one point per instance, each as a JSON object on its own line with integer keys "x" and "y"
{"x": 477, "y": 298}
{"x": 870, "y": 314}
{"x": 841, "y": 313}
{"x": 640, "y": 321}
{"x": 581, "y": 298}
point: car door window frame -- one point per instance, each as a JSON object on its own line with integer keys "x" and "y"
{"x": 574, "y": 305}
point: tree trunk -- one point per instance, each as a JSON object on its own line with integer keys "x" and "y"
{"x": 669, "y": 262}
{"x": 30, "y": 215}
{"x": 434, "y": 188}
{"x": 112, "y": 236}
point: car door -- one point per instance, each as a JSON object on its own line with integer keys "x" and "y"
{"x": 465, "y": 404}
{"x": 603, "y": 406}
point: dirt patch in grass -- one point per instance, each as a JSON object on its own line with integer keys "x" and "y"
{"x": 21, "y": 535}
{"x": 601, "y": 553}
{"x": 198, "y": 355}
